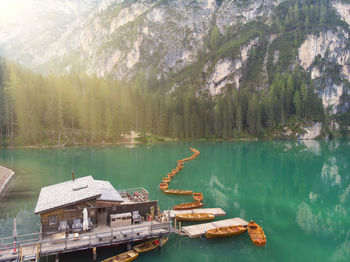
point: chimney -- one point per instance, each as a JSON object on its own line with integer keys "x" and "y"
{"x": 72, "y": 175}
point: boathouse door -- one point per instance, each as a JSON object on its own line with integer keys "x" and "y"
{"x": 102, "y": 216}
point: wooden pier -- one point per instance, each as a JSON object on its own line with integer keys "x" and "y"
{"x": 35, "y": 247}
{"x": 215, "y": 211}
{"x": 199, "y": 229}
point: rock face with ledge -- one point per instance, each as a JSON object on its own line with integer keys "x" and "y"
{"x": 311, "y": 132}
{"x": 319, "y": 51}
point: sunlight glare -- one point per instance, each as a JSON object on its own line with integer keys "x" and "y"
{"x": 15, "y": 11}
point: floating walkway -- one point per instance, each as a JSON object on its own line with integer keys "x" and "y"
{"x": 198, "y": 230}
{"x": 215, "y": 211}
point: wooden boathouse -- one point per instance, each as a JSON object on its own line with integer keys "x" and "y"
{"x": 85, "y": 213}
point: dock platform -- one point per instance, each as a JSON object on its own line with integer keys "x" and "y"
{"x": 199, "y": 229}
{"x": 215, "y": 211}
{"x": 33, "y": 249}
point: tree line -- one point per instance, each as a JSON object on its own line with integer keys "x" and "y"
{"x": 36, "y": 109}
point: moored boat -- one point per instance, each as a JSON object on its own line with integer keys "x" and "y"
{"x": 190, "y": 205}
{"x": 163, "y": 186}
{"x": 195, "y": 217}
{"x": 166, "y": 179}
{"x": 180, "y": 167}
{"x": 149, "y": 245}
{"x": 178, "y": 192}
{"x": 175, "y": 170}
{"x": 256, "y": 233}
{"x": 171, "y": 174}
{"x": 225, "y": 231}
{"x": 123, "y": 257}
{"x": 198, "y": 196}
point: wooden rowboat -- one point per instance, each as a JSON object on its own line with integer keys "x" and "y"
{"x": 175, "y": 171}
{"x": 180, "y": 167}
{"x": 149, "y": 245}
{"x": 195, "y": 217}
{"x": 171, "y": 174}
{"x": 190, "y": 205}
{"x": 194, "y": 150}
{"x": 178, "y": 192}
{"x": 256, "y": 233}
{"x": 123, "y": 257}
{"x": 166, "y": 179}
{"x": 198, "y": 196}
{"x": 163, "y": 186}
{"x": 225, "y": 231}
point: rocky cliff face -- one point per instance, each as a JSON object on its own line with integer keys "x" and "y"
{"x": 122, "y": 39}
{"x": 115, "y": 38}
{"x": 331, "y": 47}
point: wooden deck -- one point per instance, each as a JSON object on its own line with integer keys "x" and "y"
{"x": 101, "y": 236}
{"x": 199, "y": 229}
{"x": 215, "y": 211}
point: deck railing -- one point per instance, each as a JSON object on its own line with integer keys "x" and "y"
{"x": 34, "y": 246}
{"x": 131, "y": 192}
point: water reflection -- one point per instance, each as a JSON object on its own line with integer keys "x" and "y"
{"x": 330, "y": 173}
{"x": 220, "y": 192}
{"x": 311, "y": 146}
{"x": 342, "y": 252}
{"x": 299, "y": 189}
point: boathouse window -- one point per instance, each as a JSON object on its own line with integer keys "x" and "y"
{"x": 52, "y": 220}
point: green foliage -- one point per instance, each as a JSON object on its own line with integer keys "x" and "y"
{"x": 36, "y": 109}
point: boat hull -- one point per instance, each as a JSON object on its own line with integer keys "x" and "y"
{"x": 256, "y": 234}
{"x": 198, "y": 196}
{"x": 148, "y": 246}
{"x": 191, "y": 205}
{"x": 225, "y": 232}
{"x": 166, "y": 179}
{"x": 178, "y": 192}
{"x": 195, "y": 217}
{"x": 123, "y": 257}
{"x": 163, "y": 186}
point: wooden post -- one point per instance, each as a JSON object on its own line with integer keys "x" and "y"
{"x": 21, "y": 252}
{"x": 180, "y": 228}
{"x": 37, "y": 251}
{"x": 128, "y": 246}
{"x": 161, "y": 242}
{"x": 94, "y": 253}
{"x": 57, "y": 258}
{"x": 175, "y": 224}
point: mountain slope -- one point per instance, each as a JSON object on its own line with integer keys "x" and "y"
{"x": 214, "y": 46}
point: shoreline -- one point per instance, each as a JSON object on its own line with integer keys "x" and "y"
{"x": 6, "y": 177}
{"x": 129, "y": 143}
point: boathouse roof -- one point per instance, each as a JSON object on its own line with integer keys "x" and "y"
{"x": 72, "y": 192}
{"x": 108, "y": 192}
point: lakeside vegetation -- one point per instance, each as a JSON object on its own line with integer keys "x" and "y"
{"x": 77, "y": 109}
{"x": 58, "y": 110}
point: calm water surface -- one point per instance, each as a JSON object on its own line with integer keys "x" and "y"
{"x": 299, "y": 191}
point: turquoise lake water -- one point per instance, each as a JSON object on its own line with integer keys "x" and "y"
{"x": 298, "y": 191}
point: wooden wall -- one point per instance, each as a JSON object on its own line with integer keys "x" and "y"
{"x": 142, "y": 207}
{"x": 68, "y": 214}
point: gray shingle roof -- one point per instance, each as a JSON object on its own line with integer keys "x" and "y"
{"x": 67, "y": 193}
{"x": 108, "y": 192}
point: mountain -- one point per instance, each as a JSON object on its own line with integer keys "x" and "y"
{"x": 212, "y": 45}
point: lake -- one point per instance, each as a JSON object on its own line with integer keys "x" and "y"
{"x": 298, "y": 191}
